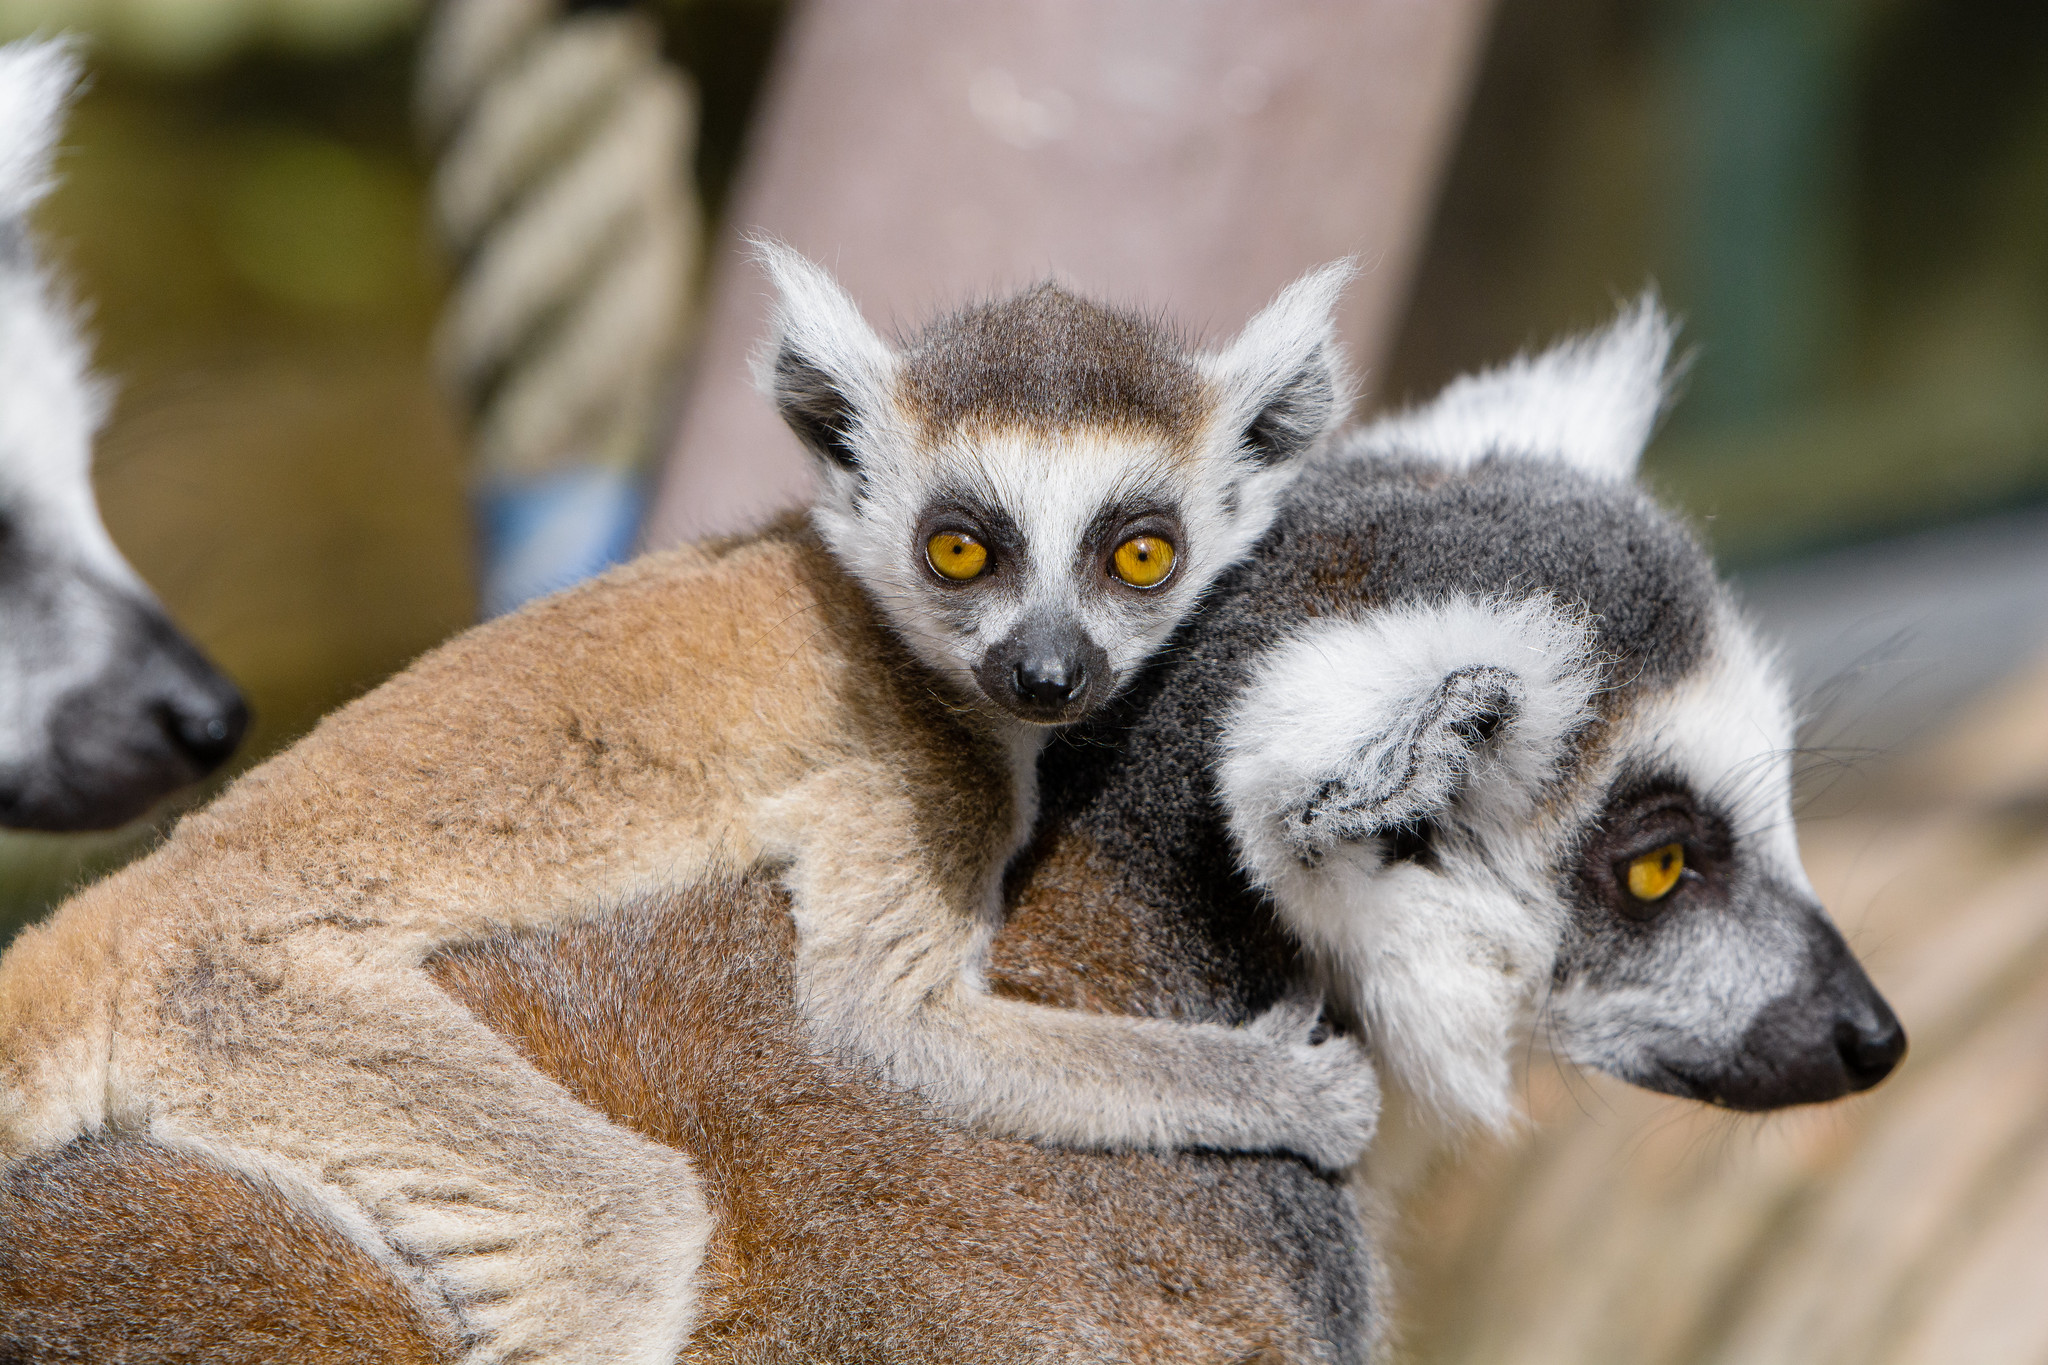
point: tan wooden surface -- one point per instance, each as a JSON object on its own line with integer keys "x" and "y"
{"x": 1192, "y": 157}
{"x": 1905, "y": 1227}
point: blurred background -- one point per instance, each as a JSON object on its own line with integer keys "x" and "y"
{"x": 1846, "y": 200}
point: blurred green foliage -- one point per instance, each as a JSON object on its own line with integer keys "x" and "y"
{"x": 315, "y": 224}
{"x": 196, "y": 35}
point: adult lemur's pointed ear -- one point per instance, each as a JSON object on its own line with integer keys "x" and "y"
{"x": 1590, "y": 402}
{"x": 1372, "y": 728}
{"x": 1282, "y": 385}
{"x": 37, "y": 79}
{"x": 825, "y": 368}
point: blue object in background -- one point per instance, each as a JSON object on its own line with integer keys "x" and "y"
{"x": 544, "y": 534}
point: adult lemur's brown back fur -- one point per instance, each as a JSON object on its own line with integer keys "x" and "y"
{"x": 678, "y": 1019}
{"x": 118, "y": 1248}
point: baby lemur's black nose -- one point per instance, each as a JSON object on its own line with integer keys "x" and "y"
{"x": 1046, "y": 671}
{"x": 1049, "y": 680}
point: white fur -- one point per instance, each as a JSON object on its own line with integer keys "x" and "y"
{"x": 36, "y": 82}
{"x": 1590, "y": 402}
{"x": 50, "y": 406}
{"x": 1439, "y": 967}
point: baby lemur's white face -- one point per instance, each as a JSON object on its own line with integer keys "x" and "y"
{"x": 1037, "y": 491}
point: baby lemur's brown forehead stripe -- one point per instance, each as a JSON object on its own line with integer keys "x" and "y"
{"x": 1049, "y": 358}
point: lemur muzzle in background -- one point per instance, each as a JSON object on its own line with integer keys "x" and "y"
{"x": 104, "y": 707}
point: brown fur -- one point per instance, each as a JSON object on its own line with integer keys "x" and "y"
{"x": 1048, "y": 359}
{"x": 117, "y": 1248}
{"x": 853, "y": 1224}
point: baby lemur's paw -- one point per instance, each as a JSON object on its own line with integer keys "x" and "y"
{"x": 1326, "y": 1095}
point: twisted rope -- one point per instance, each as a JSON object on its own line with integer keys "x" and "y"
{"x": 564, "y": 142}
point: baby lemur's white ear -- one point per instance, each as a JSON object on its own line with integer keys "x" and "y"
{"x": 1373, "y": 727}
{"x": 1282, "y": 385}
{"x": 37, "y": 79}
{"x": 825, "y": 368}
{"x": 1590, "y": 402}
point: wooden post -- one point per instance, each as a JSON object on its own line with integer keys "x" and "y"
{"x": 1193, "y": 157}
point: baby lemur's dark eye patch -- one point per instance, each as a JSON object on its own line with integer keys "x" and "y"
{"x": 963, "y": 540}
{"x": 1136, "y": 542}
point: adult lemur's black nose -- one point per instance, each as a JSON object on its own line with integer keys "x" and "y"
{"x": 1870, "y": 1047}
{"x": 210, "y": 731}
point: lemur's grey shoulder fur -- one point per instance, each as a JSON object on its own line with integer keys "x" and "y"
{"x": 1356, "y": 534}
{"x": 1372, "y": 530}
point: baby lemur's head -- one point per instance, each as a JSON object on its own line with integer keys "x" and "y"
{"x": 1036, "y": 491}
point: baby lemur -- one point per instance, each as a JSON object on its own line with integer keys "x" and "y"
{"x": 1022, "y": 503}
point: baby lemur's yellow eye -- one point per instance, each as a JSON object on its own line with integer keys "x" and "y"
{"x": 1143, "y": 561}
{"x": 1651, "y": 877}
{"x": 956, "y": 556}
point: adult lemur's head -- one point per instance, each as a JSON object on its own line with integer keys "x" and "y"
{"x": 1519, "y": 759}
{"x": 1037, "y": 490}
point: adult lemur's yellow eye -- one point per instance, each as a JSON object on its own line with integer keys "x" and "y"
{"x": 1143, "y": 561}
{"x": 1651, "y": 877}
{"x": 956, "y": 556}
